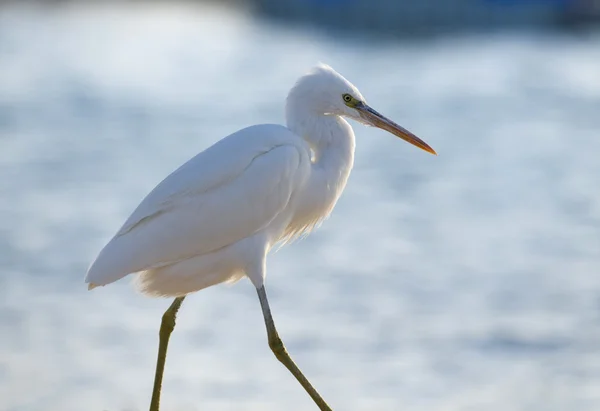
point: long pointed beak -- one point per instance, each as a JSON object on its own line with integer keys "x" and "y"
{"x": 375, "y": 119}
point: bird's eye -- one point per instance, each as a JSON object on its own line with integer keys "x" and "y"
{"x": 347, "y": 98}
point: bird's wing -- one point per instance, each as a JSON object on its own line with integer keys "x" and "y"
{"x": 215, "y": 199}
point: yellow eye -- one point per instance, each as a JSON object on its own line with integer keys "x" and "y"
{"x": 347, "y": 98}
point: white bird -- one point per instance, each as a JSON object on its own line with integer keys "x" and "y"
{"x": 216, "y": 217}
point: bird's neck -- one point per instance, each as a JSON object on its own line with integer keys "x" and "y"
{"x": 332, "y": 142}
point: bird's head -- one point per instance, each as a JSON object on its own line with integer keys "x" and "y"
{"x": 329, "y": 93}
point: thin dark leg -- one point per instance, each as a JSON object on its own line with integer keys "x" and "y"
{"x": 281, "y": 353}
{"x": 166, "y": 328}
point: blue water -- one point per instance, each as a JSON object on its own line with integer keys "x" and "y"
{"x": 466, "y": 281}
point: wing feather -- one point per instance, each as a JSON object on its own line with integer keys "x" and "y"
{"x": 204, "y": 205}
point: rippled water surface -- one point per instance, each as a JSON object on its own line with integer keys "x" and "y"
{"x": 466, "y": 281}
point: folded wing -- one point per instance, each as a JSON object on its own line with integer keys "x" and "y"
{"x": 215, "y": 199}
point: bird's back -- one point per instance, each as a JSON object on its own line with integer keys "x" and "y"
{"x": 225, "y": 193}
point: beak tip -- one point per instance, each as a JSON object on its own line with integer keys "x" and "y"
{"x": 430, "y": 150}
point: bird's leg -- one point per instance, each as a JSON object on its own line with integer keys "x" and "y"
{"x": 166, "y": 328}
{"x": 282, "y": 355}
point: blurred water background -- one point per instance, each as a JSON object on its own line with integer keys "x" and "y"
{"x": 466, "y": 281}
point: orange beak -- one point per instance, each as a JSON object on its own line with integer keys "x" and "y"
{"x": 375, "y": 119}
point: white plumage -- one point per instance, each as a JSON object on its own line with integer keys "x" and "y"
{"x": 216, "y": 217}
{"x": 213, "y": 217}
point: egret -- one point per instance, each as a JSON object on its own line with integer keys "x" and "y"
{"x": 215, "y": 218}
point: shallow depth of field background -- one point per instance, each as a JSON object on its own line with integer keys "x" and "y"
{"x": 466, "y": 281}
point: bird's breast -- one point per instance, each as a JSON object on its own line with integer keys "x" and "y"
{"x": 312, "y": 204}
